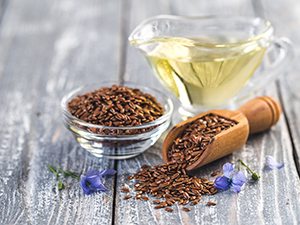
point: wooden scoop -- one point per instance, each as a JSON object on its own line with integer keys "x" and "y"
{"x": 255, "y": 116}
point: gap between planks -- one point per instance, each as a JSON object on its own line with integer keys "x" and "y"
{"x": 295, "y": 156}
{"x": 3, "y": 6}
{"x": 125, "y": 17}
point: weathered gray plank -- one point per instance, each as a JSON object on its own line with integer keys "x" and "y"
{"x": 286, "y": 22}
{"x": 48, "y": 48}
{"x": 214, "y": 7}
{"x": 273, "y": 199}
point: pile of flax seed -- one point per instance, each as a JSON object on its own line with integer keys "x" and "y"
{"x": 116, "y": 106}
{"x": 170, "y": 182}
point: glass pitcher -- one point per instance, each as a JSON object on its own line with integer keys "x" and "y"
{"x": 211, "y": 62}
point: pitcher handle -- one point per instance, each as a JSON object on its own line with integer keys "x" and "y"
{"x": 276, "y": 59}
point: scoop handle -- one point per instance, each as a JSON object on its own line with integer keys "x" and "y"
{"x": 262, "y": 113}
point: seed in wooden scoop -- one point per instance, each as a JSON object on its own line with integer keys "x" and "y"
{"x": 211, "y": 203}
{"x": 126, "y": 190}
{"x": 211, "y": 135}
{"x": 196, "y": 136}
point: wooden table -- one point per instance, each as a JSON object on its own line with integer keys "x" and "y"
{"x": 48, "y": 48}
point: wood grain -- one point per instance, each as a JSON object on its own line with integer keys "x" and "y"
{"x": 272, "y": 199}
{"x": 289, "y": 82}
{"x": 224, "y": 143}
{"x": 51, "y": 47}
{"x": 47, "y": 49}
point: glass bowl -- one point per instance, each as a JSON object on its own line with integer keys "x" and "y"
{"x": 116, "y": 146}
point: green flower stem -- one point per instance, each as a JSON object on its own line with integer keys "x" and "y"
{"x": 72, "y": 174}
{"x": 255, "y": 176}
{"x": 245, "y": 165}
{"x": 60, "y": 184}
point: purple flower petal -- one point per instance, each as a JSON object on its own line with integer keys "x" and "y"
{"x": 87, "y": 190}
{"x": 94, "y": 181}
{"x": 228, "y": 169}
{"x": 222, "y": 183}
{"x": 239, "y": 178}
{"x": 236, "y": 187}
{"x": 100, "y": 188}
{"x": 108, "y": 172}
{"x": 273, "y": 164}
{"x": 92, "y": 173}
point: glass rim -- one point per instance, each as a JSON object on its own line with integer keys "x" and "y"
{"x": 267, "y": 30}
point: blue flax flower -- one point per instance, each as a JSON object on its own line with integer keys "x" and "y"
{"x": 273, "y": 164}
{"x": 92, "y": 181}
{"x": 234, "y": 181}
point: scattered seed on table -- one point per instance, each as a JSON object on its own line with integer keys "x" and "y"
{"x": 194, "y": 202}
{"x": 130, "y": 177}
{"x": 156, "y": 202}
{"x": 136, "y": 185}
{"x": 127, "y": 197}
{"x": 143, "y": 167}
{"x": 169, "y": 209}
{"x": 164, "y": 204}
{"x": 215, "y": 173}
{"x": 167, "y": 196}
{"x": 169, "y": 202}
{"x": 186, "y": 209}
{"x": 185, "y": 202}
{"x": 138, "y": 196}
{"x": 211, "y": 203}
{"x": 214, "y": 192}
{"x": 126, "y": 190}
{"x": 158, "y": 207}
{"x": 170, "y": 182}
{"x": 210, "y": 183}
{"x": 145, "y": 198}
